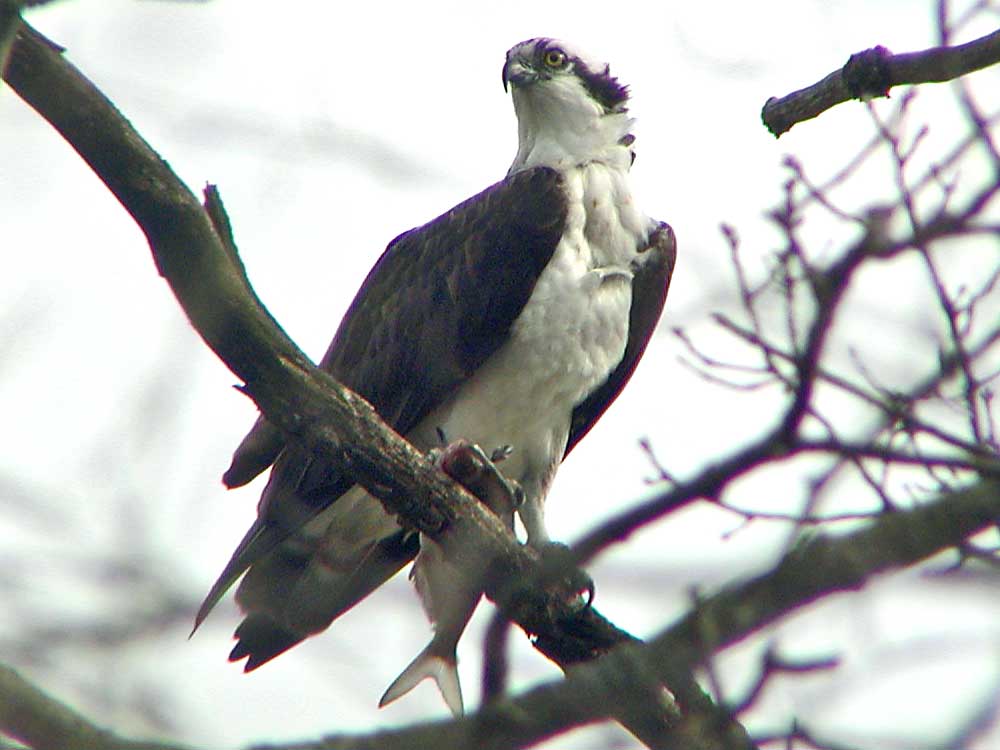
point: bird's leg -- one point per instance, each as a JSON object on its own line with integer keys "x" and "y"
{"x": 468, "y": 464}
{"x": 560, "y": 571}
{"x": 562, "y": 574}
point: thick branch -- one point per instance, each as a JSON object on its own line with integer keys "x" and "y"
{"x": 820, "y": 566}
{"x": 29, "y": 715}
{"x": 825, "y": 564}
{"x": 873, "y": 73}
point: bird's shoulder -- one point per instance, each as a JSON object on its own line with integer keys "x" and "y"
{"x": 442, "y": 297}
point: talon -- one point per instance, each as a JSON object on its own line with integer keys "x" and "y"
{"x": 499, "y": 454}
{"x": 519, "y": 496}
{"x": 566, "y": 577}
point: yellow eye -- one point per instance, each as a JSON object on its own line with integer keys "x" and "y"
{"x": 555, "y": 58}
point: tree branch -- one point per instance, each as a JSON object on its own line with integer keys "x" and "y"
{"x": 29, "y": 715}
{"x": 819, "y": 566}
{"x": 872, "y": 73}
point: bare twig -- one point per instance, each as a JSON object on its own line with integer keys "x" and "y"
{"x": 773, "y": 663}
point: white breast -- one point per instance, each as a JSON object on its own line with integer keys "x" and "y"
{"x": 567, "y": 340}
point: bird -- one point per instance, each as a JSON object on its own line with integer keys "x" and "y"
{"x": 511, "y": 322}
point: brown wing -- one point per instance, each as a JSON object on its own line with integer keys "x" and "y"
{"x": 438, "y": 303}
{"x": 650, "y": 282}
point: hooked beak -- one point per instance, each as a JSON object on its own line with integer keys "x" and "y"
{"x": 516, "y": 73}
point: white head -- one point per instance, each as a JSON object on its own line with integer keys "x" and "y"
{"x": 570, "y": 110}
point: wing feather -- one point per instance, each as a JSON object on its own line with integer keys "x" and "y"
{"x": 650, "y": 282}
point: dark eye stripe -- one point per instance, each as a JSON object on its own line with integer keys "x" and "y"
{"x": 603, "y": 86}
{"x": 600, "y": 84}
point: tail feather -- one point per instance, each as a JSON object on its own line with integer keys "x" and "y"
{"x": 258, "y": 541}
{"x": 292, "y": 593}
{"x": 261, "y": 639}
{"x": 442, "y": 670}
{"x": 284, "y": 509}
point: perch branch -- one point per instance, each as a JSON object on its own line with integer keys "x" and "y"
{"x": 819, "y": 566}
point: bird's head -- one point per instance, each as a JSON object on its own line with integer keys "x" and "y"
{"x": 570, "y": 109}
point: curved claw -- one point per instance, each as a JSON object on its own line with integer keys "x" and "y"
{"x": 591, "y": 590}
{"x": 565, "y": 574}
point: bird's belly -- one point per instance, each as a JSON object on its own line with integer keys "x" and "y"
{"x": 523, "y": 396}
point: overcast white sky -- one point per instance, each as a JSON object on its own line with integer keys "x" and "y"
{"x": 329, "y": 129}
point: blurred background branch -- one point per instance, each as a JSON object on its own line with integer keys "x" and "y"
{"x": 873, "y": 72}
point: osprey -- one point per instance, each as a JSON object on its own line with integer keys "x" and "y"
{"x": 514, "y": 319}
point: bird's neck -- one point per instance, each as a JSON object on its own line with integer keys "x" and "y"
{"x": 565, "y": 134}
